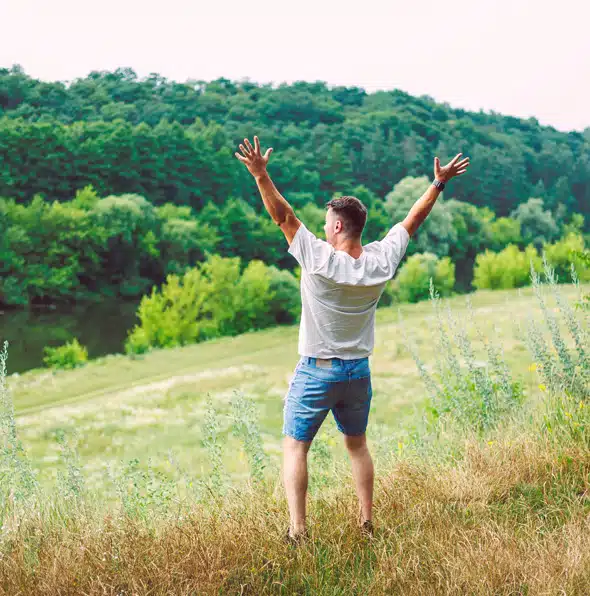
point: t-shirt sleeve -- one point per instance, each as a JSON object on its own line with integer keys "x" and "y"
{"x": 395, "y": 244}
{"x": 311, "y": 252}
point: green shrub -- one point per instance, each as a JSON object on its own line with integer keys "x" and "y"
{"x": 584, "y": 258}
{"x": 509, "y": 268}
{"x": 170, "y": 316}
{"x": 564, "y": 253}
{"x": 252, "y": 298}
{"x": 285, "y": 306}
{"x": 70, "y": 355}
{"x": 213, "y": 300}
{"x": 413, "y": 281}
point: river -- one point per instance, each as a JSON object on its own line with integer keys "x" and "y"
{"x": 101, "y": 327}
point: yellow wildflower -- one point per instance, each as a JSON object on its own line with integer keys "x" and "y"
{"x": 533, "y": 367}
{"x": 542, "y": 387}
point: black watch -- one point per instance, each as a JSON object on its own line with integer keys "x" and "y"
{"x": 440, "y": 185}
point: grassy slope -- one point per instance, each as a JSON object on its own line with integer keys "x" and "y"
{"x": 511, "y": 516}
{"x": 123, "y": 408}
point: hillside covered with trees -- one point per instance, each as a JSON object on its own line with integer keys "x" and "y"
{"x": 112, "y": 182}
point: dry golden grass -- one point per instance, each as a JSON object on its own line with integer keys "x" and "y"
{"x": 512, "y": 517}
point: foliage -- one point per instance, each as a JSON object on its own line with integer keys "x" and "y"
{"x": 245, "y": 426}
{"x": 437, "y": 233}
{"x": 565, "y": 254}
{"x": 117, "y": 181}
{"x": 285, "y": 307}
{"x": 563, "y": 370}
{"x": 173, "y": 142}
{"x": 509, "y": 268}
{"x": 18, "y": 483}
{"x": 412, "y": 283}
{"x": 465, "y": 391}
{"x": 537, "y": 226}
{"x": 584, "y": 258}
{"x": 70, "y": 355}
{"x": 212, "y": 300}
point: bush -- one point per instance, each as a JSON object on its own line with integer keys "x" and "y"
{"x": 70, "y": 355}
{"x": 213, "y": 300}
{"x": 510, "y": 268}
{"x": 564, "y": 253}
{"x": 412, "y": 284}
{"x": 285, "y": 306}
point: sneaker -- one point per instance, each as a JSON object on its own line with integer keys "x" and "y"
{"x": 367, "y": 529}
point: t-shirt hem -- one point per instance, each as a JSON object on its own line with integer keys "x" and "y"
{"x": 341, "y": 356}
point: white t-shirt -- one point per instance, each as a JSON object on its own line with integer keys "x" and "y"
{"x": 339, "y": 294}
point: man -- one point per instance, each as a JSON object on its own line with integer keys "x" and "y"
{"x": 341, "y": 283}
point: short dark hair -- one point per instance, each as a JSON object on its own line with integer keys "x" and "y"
{"x": 352, "y": 212}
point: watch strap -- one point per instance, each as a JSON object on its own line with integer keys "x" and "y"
{"x": 440, "y": 185}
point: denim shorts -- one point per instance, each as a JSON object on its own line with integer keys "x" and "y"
{"x": 342, "y": 386}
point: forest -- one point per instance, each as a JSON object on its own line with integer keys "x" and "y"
{"x": 112, "y": 182}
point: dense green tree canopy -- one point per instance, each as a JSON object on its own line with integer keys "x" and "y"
{"x": 174, "y": 142}
{"x": 113, "y": 182}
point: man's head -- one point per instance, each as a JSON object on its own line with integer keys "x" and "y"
{"x": 345, "y": 219}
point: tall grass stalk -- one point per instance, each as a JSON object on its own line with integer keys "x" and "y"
{"x": 245, "y": 426}
{"x": 562, "y": 369}
{"x": 18, "y": 482}
{"x": 469, "y": 393}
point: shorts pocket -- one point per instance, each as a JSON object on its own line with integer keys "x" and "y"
{"x": 296, "y": 385}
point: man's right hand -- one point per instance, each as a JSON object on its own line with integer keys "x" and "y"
{"x": 452, "y": 169}
{"x": 253, "y": 159}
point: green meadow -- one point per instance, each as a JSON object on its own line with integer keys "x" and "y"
{"x": 116, "y": 409}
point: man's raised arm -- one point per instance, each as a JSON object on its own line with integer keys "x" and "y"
{"x": 277, "y": 206}
{"x": 425, "y": 203}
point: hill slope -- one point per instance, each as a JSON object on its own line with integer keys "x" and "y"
{"x": 174, "y": 142}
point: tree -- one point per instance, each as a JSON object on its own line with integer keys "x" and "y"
{"x": 436, "y": 234}
{"x": 537, "y": 225}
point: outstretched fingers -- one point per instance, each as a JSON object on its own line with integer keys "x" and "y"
{"x": 454, "y": 160}
{"x": 250, "y": 148}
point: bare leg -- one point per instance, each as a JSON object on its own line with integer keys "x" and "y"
{"x": 295, "y": 479}
{"x": 362, "y": 472}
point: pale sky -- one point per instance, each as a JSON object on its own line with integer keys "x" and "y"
{"x": 518, "y": 57}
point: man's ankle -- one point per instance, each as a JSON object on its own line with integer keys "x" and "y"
{"x": 297, "y": 529}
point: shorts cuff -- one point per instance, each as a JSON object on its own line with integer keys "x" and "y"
{"x": 297, "y": 437}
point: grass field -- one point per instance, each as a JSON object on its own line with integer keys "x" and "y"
{"x": 123, "y": 409}
{"x": 459, "y": 511}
